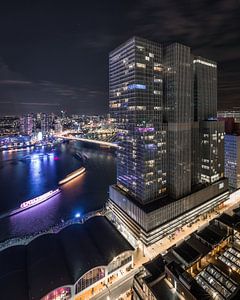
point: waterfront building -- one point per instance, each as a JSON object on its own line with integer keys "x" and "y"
{"x": 27, "y": 124}
{"x": 9, "y": 125}
{"x": 46, "y": 123}
{"x": 75, "y": 263}
{"x": 170, "y": 159}
{"x": 57, "y": 126}
{"x": 232, "y": 159}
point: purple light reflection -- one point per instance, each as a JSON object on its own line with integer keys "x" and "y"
{"x": 150, "y": 147}
{"x": 145, "y": 129}
{"x": 43, "y": 216}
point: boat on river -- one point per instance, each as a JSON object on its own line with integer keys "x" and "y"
{"x": 72, "y": 175}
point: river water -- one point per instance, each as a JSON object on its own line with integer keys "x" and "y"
{"x": 31, "y": 172}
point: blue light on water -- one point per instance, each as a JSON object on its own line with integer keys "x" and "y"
{"x": 50, "y": 154}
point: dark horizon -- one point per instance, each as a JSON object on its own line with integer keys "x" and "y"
{"x": 54, "y": 56}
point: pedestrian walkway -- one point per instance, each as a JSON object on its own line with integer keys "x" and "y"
{"x": 168, "y": 241}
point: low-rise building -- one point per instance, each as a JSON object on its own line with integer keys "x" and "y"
{"x": 206, "y": 265}
{"x": 80, "y": 259}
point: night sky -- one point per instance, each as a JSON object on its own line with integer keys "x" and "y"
{"x": 54, "y": 54}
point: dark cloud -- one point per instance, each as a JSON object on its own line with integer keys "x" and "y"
{"x": 211, "y": 28}
{"x": 57, "y": 51}
{"x": 19, "y": 95}
{"x": 39, "y": 104}
{"x": 15, "y": 82}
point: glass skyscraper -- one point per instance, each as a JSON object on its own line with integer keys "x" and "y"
{"x": 159, "y": 96}
{"x": 136, "y": 93}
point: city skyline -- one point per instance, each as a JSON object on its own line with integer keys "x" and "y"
{"x": 54, "y": 57}
{"x": 120, "y": 150}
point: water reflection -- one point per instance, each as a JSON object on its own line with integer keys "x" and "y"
{"x": 40, "y": 173}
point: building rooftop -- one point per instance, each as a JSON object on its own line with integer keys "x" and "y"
{"x": 212, "y": 235}
{"x": 217, "y": 283}
{"x": 232, "y": 221}
{"x": 161, "y": 291}
{"x": 186, "y": 253}
{"x": 195, "y": 243}
{"x": 54, "y": 260}
{"x": 218, "y": 276}
{"x": 193, "y": 287}
{"x": 237, "y": 211}
{"x": 155, "y": 267}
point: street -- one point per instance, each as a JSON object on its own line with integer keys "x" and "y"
{"x": 117, "y": 288}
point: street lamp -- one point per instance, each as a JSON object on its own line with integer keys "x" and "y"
{"x": 108, "y": 296}
{"x": 77, "y": 215}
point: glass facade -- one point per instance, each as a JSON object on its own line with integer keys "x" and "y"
{"x": 232, "y": 159}
{"x": 102, "y": 273}
{"x": 90, "y": 278}
{"x": 149, "y": 227}
{"x": 231, "y": 257}
{"x": 212, "y": 151}
{"x": 119, "y": 262}
{"x": 136, "y": 103}
{"x": 205, "y": 88}
{"x": 178, "y": 116}
{"x": 158, "y": 95}
{"x": 162, "y": 98}
{"x": 62, "y": 293}
{"x": 216, "y": 283}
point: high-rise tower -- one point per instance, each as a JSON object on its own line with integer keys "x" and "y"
{"x": 136, "y": 93}
{"x": 160, "y": 99}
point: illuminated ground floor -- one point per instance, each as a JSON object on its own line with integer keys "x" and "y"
{"x": 145, "y": 228}
{"x": 95, "y": 280}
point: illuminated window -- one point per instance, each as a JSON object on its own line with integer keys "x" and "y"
{"x": 139, "y": 65}
{"x": 137, "y": 108}
{"x": 114, "y": 105}
{"x": 89, "y": 279}
{"x": 137, "y": 87}
{"x": 60, "y": 293}
{"x": 140, "y": 48}
{"x": 131, "y": 66}
{"x": 157, "y": 80}
{"x": 157, "y": 67}
{"x": 221, "y": 185}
